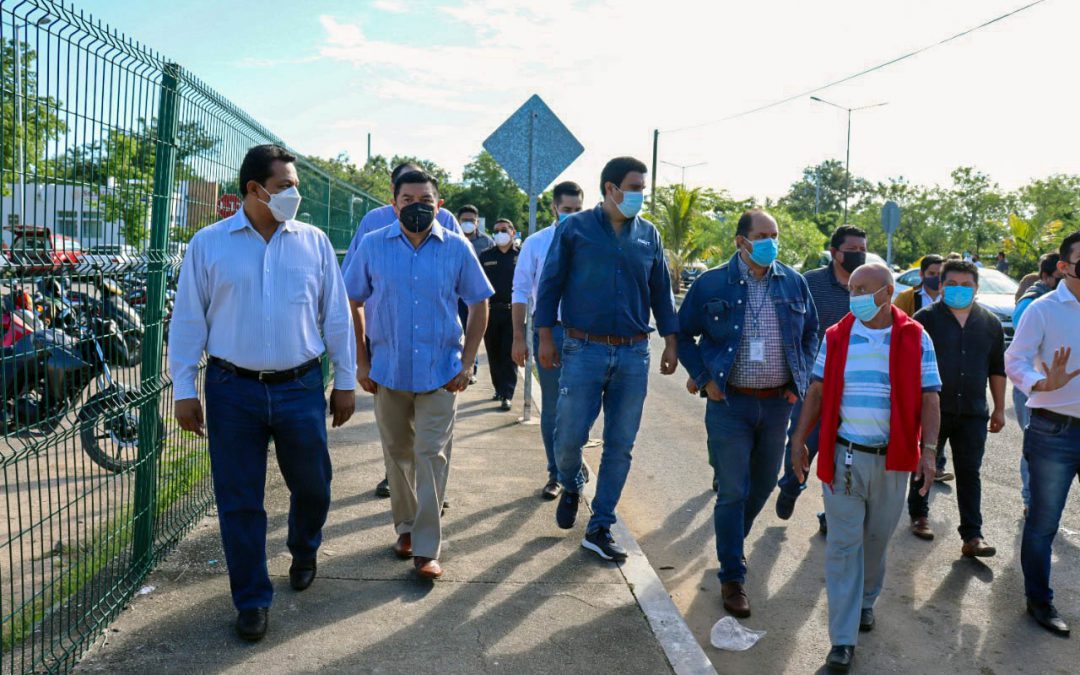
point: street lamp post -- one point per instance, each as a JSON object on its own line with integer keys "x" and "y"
{"x": 847, "y": 160}
{"x": 683, "y": 167}
{"x": 20, "y": 150}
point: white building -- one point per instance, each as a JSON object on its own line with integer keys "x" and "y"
{"x": 72, "y": 210}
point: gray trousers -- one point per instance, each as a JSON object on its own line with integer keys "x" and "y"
{"x": 860, "y": 526}
{"x": 417, "y": 431}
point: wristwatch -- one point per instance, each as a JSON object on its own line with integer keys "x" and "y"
{"x": 930, "y": 447}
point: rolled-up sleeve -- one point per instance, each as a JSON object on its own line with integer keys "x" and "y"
{"x": 1022, "y": 354}
{"x": 661, "y": 297}
{"x": 356, "y": 275}
{"x": 523, "y": 273}
{"x": 553, "y": 278}
{"x": 472, "y": 284}
{"x": 337, "y": 326}
{"x": 189, "y": 329}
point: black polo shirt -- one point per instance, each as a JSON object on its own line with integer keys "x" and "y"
{"x": 831, "y": 298}
{"x": 967, "y": 356}
{"x": 499, "y": 268}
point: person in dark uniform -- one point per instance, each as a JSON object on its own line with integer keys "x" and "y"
{"x": 499, "y": 263}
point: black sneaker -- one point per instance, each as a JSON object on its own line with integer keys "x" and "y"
{"x": 601, "y": 543}
{"x": 823, "y": 525}
{"x": 866, "y": 620}
{"x": 785, "y": 505}
{"x": 840, "y": 658}
{"x": 383, "y": 488}
{"x": 566, "y": 513}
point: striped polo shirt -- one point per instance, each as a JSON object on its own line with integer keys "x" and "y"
{"x": 865, "y": 408}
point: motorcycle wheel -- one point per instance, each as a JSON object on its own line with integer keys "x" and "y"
{"x": 109, "y": 428}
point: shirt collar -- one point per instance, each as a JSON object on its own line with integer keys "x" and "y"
{"x": 1063, "y": 294}
{"x": 744, "y": 268}
{"x": 394, "y": 230}
{"x": 239, "y": 221}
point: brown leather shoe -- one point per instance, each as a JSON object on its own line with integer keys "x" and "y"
{"x": 735, "y": 600}
{"x": 403, "y": 547}
{"x": 977, "y": 548}
{"x": 920, "y": 527}
{"x": 427, "y": 568}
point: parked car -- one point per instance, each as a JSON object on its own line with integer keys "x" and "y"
{"x": 35, "y": 249}
{"x": 997, "y": 293}
{"x": 692, "y": 271}
{"x": 111, "y": 256}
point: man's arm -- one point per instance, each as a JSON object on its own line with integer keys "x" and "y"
{"x": 690, "y": 327}
{"x": 808, "y": 418}
{"x": 519, "y": 351}
{"x": 519, "y": 298}
{"x": 997, "y": 379}
{"x": 661, "y": 298}
{"x": 931, "y": 425}
{"x": 810, "y": 327}
{"x": 1022, "y": 354}
{"x": 189, "y": 331}
{"x": 549, "y": 294}
{"x": 337, "y": 332}
{"x": 474, "y": 289}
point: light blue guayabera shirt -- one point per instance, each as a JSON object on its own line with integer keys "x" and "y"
{"x": 377, "y": 219}
{"x": 410, "y": 300}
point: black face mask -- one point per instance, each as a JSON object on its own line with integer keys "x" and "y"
{"x": 931, "y": 283}
{"x": 417, "y": 217}
{"x": 852, "y": 260}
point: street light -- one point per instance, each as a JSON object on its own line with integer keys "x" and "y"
{"x": 352, "y": 203}
{"x": 684, "y": 167}
{"x": 847, "y": 162}
{"x": 20, "y": 151}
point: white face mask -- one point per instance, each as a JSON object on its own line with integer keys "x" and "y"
{"x": 468, "y": 226}
{"x": 283, "y": 205}
{"x": 502, "y": 238}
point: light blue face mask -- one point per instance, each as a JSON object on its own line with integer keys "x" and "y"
{"x": 958, "y": 297}
{"x": 863, "y": 306}
{"x": 564, "y": 216}
{"x": 631, "y": 203}
{"x": 764, "y": 251}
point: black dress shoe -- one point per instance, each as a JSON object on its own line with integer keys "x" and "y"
{"x": 1047, "y": 616}
{"x": 505, "y": 405}
{"x": 566, "y": 511}
{"x": 383, "y": 488}
{"x": 251, "y": 623}
{"x": 551, "y": 490}
{"x": 823, "y": 525}
{"x": 840, "y": 657}
{"x": 301, "y": 574}
{"x": 866, "y": 620}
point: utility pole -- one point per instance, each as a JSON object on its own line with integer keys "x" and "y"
{"x": 369, "y": 146}
{"x": 683, "y": 167}
{"x": 847, "y": 162}
{"x": 652, "y": 192}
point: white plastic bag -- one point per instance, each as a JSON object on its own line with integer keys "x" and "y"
{"x": 731, "y": 635}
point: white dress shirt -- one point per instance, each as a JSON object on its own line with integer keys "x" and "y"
{"x": 260, "y": 305}
{"x": 1049, "y": 323}
{"x": 927, "y": 300}
{"x": 530, "y": 265}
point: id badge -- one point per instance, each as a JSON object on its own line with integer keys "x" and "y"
{"x": 849, "y": 458}
{"x": 757, "y": 351}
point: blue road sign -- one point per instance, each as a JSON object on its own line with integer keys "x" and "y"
{"x": 533, "y": 146}
{"x": 890, "y": 217}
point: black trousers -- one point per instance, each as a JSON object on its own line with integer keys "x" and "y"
{"x": 499, "y": 342}
{"x": 966, "y": 435}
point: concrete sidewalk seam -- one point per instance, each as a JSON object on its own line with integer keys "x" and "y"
{"x": 681, "y": 648}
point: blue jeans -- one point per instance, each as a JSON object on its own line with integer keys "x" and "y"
{"x": 242, "y": 416}
{"x": 788, "y": 483}
{"x": 616, "y": 377}
{"x": 1052, "y": 450}
{"x": 746, "y": 444}
{"x": 549, "y": 399}
{"x": 1023, "y": 416}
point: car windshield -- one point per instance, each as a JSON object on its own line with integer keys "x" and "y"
{"x": 992, "y": 281}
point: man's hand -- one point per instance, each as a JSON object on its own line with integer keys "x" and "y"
{"x": 342, "y": 404}
{"x": 461, "y": 380}
{"x": 997, "y": 420}
{"x": 712, "y": 390}
{"x": 669, "y": 360}
{"x": 791, "y": 397}
{"x": 363, "y": 378}
{"x": 1057, "y": 375}
{"x": 691, "y": 386}
{"x": 520, "y": 350}
{"x": 189, "y": 414}
{"x": 549, "y": 356}
{"x": 800, "y": 458}
{"x": 926, "y": 470}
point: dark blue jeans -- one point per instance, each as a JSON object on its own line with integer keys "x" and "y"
{"x": 549, "y": 399}
{"x": 595, "y": 375}
{"x": 1052, "y": 450}
{"x": 746, "y": 444}
{"x": 966, "y": 435}
{"x": 242, "y": 416}
{"x": 788, "y": 483}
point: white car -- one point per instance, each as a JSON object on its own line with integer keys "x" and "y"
{"x": 997, "y": 293}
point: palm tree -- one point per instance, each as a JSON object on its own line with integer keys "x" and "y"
{"x": 680, "y": 222}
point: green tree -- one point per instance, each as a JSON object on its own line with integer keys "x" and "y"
{"x": 39, "y": 124}
{"x": 487, "y": 187}
{"x": 819, "y": 195}
{"x": 974, "y": 209}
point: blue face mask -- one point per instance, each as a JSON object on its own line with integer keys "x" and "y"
{"x": 564, "y": 216}
{"x": 959, "y": 297}
{"x": 864, "y": 307}
{"x": 631, "y": 203}
{"x": 764, "y": 251}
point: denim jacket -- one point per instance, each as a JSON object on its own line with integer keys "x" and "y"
{"x": 712, "y": 318}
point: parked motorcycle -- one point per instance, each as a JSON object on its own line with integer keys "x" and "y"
{"x": 110, "y": 304}
{"x": 44, "y": 375}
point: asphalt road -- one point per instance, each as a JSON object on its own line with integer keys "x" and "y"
{"x": 938, "y": 612}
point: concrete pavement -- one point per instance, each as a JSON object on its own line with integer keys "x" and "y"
{"x": 519, "y": 595}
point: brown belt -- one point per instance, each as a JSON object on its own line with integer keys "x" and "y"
{"x": 775, "y": 392}
{"x": 615, "y": 340}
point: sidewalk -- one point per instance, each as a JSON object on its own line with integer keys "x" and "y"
{"x": 519, "y": 595}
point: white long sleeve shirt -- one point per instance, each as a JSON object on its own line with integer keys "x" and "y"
{"x": 260, "y": 305}
{"x": 1049, "y": 323}
{"x": 530, "y": 265}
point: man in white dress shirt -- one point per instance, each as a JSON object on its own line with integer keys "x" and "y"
{"x": 566, "y": 199}
{"x": 262, "y": 295}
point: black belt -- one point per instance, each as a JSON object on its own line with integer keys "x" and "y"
{"x": 1055, "y": 417}
{"x": 500, "y": 305}
{"x": 879, "y": 450}
{"x": 266, "y": 376}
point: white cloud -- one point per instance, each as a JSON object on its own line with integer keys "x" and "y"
{"x": 391, "y": 6}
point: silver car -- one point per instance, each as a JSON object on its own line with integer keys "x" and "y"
{"x": 997, "y": 293}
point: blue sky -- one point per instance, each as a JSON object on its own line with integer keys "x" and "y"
{"x": 435, "y": 78}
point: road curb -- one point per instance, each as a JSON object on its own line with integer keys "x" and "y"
{"x": 668, "y": 625}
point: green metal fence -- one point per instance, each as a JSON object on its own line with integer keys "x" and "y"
{"x": 112, "y": 157}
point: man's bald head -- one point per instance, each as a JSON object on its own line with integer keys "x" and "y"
{"x": 872, "y": 276}
{"x": 755, "y": 220}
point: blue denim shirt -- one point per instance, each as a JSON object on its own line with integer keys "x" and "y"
{"x": 607, "y": 283}
{"x": 410, "y": 301}
{"x": 712, "y": 316}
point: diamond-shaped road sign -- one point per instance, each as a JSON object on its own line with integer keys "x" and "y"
{"x": 890, "y": 217}
{"x": 533, "y": 146}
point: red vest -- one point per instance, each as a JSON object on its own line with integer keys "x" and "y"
{"x": 905, "y": 375}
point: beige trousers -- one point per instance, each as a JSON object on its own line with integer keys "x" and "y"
{"x": 416, "y": 432}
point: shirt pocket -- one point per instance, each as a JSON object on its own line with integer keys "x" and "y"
{"x": 718, "y": 318}
{"x": 302, "y": 285}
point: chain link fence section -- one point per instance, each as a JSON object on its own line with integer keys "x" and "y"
{"x": 112, "y": 158}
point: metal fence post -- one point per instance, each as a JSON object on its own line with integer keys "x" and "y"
{"x": 150, "y": 381}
